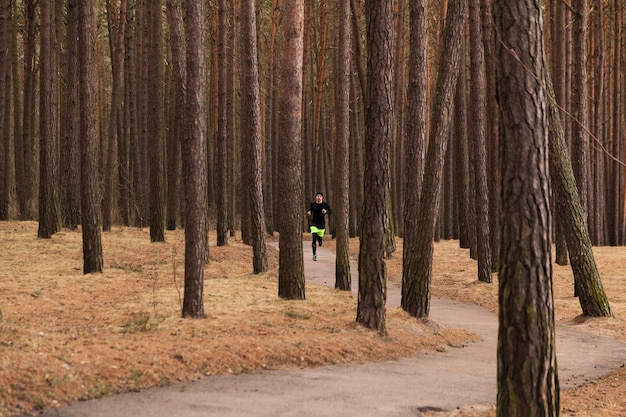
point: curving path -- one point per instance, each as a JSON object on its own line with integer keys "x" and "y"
{"x": 459, "y": 378}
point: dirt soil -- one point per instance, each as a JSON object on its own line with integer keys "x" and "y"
{"x": 66, "y": 336}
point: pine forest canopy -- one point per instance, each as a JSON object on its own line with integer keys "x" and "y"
{"x": 140, "y": 63}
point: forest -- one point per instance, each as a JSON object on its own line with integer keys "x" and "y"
{"x": 137, "y": 65}
{"x": 497, "y": 126}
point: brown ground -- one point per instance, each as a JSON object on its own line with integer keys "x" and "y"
{"x": 66, "y": 336}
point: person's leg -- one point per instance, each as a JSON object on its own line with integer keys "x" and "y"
{"x": 314, "y": 241}
{"x": 320, "y": 236}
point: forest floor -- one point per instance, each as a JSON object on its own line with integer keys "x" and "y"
{"x": 65, "y": 336}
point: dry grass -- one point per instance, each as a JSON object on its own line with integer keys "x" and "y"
{"x": 454, "y": 276}
{"x": 67, "y": 336}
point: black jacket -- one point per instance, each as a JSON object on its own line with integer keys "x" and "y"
{"x": 317, "y": 217}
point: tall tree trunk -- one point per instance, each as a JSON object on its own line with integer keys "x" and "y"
{"x": 559, "y": 75}
{"x": 467, "y": 235}
{"x": 319, "y": 168}
{"x": 527, "y": 371}
{"x": 251, "y": 131}
{"x": 179, "y": 78}
{"x": 343, "y": 279}
{"x": 221, "y": 164}
{"x": 477, "y": 133}
{"x": 416, "y": 135}
{"x": 356, "y": 161}
{"x": 155, "y": 121}
{"x": 18, "y": 148}
{"x": 378, "y": 130}
{"x": 194, "y": 151}
{"x": 491, "y": 130}
{"x": 270, "y": 148}
{"x": 290, "y": 263}
{"x": 70, "y": 121}
{"x": 129, "y": 158}
{"x": 418, "y": 269}
{"x": 117, "y": 24}
{"x": 5, "y": 12}
{"x": 617, "y": 209}
{"x": 580, "y": 125}
{"x": 592, "y": 297}
{"x": 233, "y": 176}
{"x": 597, "y": 219}
{"x": 49, "y": 221}
{"x": 92, "y": 240}
{"x": 25, "y": 165}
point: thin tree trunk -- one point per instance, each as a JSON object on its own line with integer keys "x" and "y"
{"x": 580, "y": 125}
{"x": 467, "y": 235}
{"x": 415, "y": 148}
{"x": 179, "y": 79}
{"x": 92, "y": 240}
{"x": 49, "y": 221}
{"x": 70, "y": 121}
{"x": 418, "y": 270}
{"x": 155, "y": 121}
{"x": 25, "y": 159}
{"x": 491, "y": 130}
{"x": 195, "y": 163}
{"x": 559, "y": 75}
{"x": 268, "y": 186}
{"x": 291, "y": 266}
{"x": 117, "y": 23}
{"x": 251, "y": 131}
{"x": 477, "y": 135}
{"x": 5, "y": 10}
{"x": 130, "y": 163}
{"x": 592, "y": 297}
{"x": 343, "y": 279}
{"x": 222, "y": 125}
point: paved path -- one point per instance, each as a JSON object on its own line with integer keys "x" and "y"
{"x": 458, "y": 378}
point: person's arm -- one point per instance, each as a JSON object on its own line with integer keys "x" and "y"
{"x": 328, "y": 210}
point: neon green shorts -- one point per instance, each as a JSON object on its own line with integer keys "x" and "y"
{"x": 316, "y": 231}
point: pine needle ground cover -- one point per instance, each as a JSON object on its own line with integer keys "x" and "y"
{"x": 66, "y": 336}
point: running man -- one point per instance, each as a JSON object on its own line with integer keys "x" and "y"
{"x": 318, "y": 211}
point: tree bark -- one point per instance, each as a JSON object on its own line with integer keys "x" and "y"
{"x": 92, "y": 240}
{"x": 221, "y": 164}
{"x": 416, "y": 132}
{"x": 5, "y": 10}
{"x": 49, "y": 221}
{"x": 467, "y": 235}
{"x": 417, "y": 271}
{"x": 195, "y": 163}
{"x": 371, "y": 309}
{"x": 558, "y": 75}
{"x": 343, "y": 279}
{"x": 290, "y": 263}
{"x": 527, "y": 370}
{"x": 491, "y": 130}
{"x": 251, "y": 131}
{"x": 25, "y": 166}
{"x": 155, "y": 121}
{"x": 580, "y": 125}
{"x": 70, "y": 121}
{"x": 587, "y": 282}
{"x": 478, "y": 137}
{"x": 177, "y": 127}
